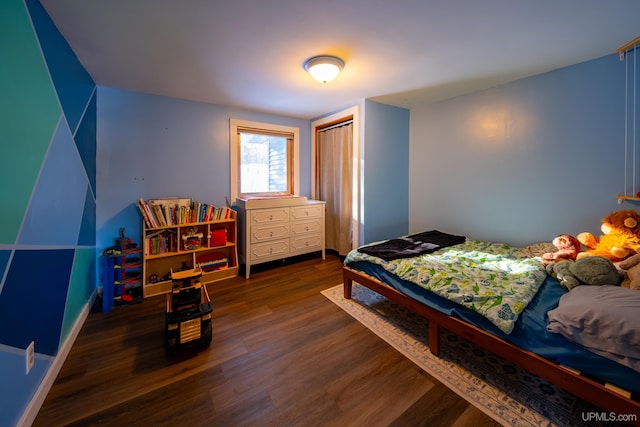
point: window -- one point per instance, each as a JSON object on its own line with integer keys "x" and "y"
{"x": 264, "y": 159}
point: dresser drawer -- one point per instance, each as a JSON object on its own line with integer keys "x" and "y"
{"x": 301, "y": 228}
{"x": 269, "y": 216}
{"x": 306, "y": 212}
{"x": 269, "y": 232}
{"x": 270, "y": 250}
{"x": 304, "y": 244}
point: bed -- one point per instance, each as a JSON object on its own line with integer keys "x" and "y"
{"x": 451, "y": 281}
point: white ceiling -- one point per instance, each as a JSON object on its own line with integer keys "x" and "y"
{"x": 250, "y": 53}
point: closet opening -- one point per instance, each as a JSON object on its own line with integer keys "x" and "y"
{"x": 335, "y": 154}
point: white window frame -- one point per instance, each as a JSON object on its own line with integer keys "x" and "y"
{"x": 234, "y": 152}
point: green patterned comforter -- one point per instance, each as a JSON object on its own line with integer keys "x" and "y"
{"x": 488, "y": 278}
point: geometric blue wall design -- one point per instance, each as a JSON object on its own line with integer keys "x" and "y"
{"x": 4, "y": 261}
{"x": 34, "y": 294}
{"x": 30, "y": 112}
{"x": 85, "y": 139}
{"x": 81, "y": 287}
{"x": 87, "y": 236}
{"x": 72, "y": 83}
{"x": 13, "y": 388}
{"x": 57, "y": 205}
{"x": 47, "y": 220}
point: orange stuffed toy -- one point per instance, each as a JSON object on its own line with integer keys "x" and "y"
{"x": 620, "y": 238}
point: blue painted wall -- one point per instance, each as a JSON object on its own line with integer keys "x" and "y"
{"x": 523, "y": 162}
{"x": 47, "y": 174}
{"x": 152, "y": 147}
{"x": 385, "y": 183}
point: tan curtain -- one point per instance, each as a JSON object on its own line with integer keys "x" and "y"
{"x": 334, "y": 184}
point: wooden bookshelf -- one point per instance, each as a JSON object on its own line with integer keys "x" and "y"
{"x": 174, "y": 247}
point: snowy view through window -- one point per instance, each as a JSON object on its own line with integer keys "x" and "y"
{"x": 263, "y": 163}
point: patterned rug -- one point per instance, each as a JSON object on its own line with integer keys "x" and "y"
{"x": 502, "y": 390}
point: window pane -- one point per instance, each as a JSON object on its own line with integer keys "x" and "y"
{"x": 263, "y": 163}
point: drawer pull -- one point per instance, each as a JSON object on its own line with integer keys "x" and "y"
{"x": 306, "y": 228}
{"x": 270, "y": 217}
{"x": 271, "y": 234}
{"x": 270, "y": 251}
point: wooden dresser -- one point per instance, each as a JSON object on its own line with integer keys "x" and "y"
{"x": 276, "y": 228}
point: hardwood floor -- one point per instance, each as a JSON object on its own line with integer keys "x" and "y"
{"x": 281, "y": 355}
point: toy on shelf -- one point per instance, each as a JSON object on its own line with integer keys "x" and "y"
{"x": 192, "y": 239}
{"x": 121, "y": 273}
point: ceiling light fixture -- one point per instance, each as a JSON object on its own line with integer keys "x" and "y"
{"x": 324, "y": 68}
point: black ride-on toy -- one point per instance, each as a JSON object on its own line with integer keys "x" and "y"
{"x": 188, "y": 313}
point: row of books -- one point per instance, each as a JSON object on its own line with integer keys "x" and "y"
{"x": 157, "y": 215}
{"x": 160, "y": 243}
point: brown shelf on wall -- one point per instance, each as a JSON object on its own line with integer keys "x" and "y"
{"x": 622, "y": 198}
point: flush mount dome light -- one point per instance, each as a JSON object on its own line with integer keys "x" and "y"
{"x": 324, "y": 68}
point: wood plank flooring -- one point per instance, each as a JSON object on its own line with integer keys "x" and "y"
{"x": 281, "y": 355}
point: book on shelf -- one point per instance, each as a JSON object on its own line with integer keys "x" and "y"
{"x": 222, "y": 212}
{"x": 158, "y": 213}
{"x": 145, "y": 211}
{"x": 157, "y": 210}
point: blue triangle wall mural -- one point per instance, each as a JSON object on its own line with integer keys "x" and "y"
{"x": 48, "y": 257}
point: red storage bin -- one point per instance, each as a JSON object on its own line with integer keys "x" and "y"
{"x": 218, "y": 237}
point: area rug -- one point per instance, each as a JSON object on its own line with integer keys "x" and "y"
{"x": 505, "y": 392}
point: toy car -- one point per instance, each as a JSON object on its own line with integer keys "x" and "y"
{"x": 189, "y": 309}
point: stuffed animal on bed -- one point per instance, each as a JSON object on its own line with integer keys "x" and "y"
{"x": 591, "y": 270}
{"x": 631, "y": 267}
{"x": 568, "y": 249}
{"x": 620, "y": 238}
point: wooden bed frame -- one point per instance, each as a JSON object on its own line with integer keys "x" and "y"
{"x": 597, "y": 394}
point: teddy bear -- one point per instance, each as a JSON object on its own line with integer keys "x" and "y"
{"x": 631, "y": 267}
{"x": 568, "y": 249}
{"x": 591, "y": 270}
{"x": 620, "y": 238}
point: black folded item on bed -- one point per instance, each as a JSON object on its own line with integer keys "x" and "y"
{"x": 413, "y": 245}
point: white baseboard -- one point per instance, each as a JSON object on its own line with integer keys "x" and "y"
{"x": 40, "y": 395}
